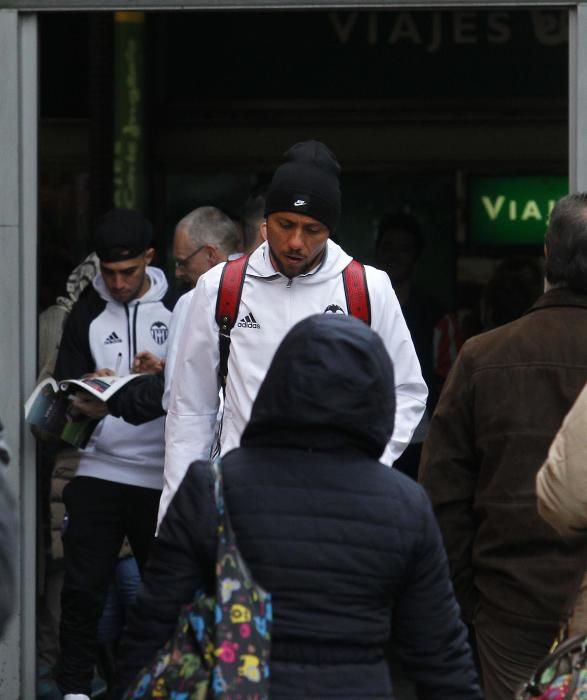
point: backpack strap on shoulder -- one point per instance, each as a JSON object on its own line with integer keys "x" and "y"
{"x": 356, "y": 291}
{"x": 227, "y": 305}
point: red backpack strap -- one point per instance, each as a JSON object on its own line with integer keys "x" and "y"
{"x": 227, "y": 304}
{"x": 356, "y": 291}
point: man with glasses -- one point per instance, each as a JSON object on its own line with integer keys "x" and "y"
{"x": 203, "y": 238}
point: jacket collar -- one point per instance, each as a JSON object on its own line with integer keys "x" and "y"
{"x": 331, "y": 265}
{"x": 559, "y": 296}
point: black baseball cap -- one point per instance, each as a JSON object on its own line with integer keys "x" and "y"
{"x": 122, "y": 234}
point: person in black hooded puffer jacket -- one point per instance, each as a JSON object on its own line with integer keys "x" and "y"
{"x": 348, "y": 548}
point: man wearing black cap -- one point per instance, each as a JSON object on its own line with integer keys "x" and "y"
{"x": 295, "y": 273}
{"x": 116, "y": 490}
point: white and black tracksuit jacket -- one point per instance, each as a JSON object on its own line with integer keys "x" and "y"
{"x": 98, "y": 331}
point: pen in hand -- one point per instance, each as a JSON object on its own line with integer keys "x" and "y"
{"x": 118, "y": 363}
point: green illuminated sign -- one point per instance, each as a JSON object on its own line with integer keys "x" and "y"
{"x": 512, "y": 210}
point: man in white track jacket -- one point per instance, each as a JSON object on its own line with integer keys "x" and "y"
{"x": 115, "y": 492}
{"x": 295, "y": 273}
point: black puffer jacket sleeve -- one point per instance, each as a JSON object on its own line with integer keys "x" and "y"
{"x": 181, "y": 561}
{"x": 139, "y": 401}
{"x": 427, "y": 630}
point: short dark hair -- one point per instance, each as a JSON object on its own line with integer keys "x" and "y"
{"x": 566, "y": 243}
{"x": 400, "y": 221}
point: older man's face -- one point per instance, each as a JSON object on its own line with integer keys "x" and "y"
{"x": 190, "y": 261}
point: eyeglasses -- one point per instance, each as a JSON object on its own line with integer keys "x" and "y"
{"x": 183, "y": 263}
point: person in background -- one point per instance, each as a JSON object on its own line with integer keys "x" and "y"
{"x": 348, "y": 548}
{"x": 398, "y": 248}
{"x": 202, "y": 239}
{"x": 499, "y": 410}
{"x": 52, "y": 319}
{"x": 514, "y": 286}
{"x": 253, "y": 216}
{"x": 58, "y": 464}
{"x": 201, "y": 225}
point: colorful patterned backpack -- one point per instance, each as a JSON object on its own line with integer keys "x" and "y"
{"x": 221, "y": 645}
{"x": 562, "y": 675}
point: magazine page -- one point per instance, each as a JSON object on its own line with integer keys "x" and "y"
{"x": 51, "y": 411}
{"x": 100, "y": 387}
{"x": 41, "y": 388}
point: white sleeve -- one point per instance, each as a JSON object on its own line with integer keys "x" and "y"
{"x": 411, "y": 391}
{"x": 193, "y": 402}
{"x": 176, "y": 325}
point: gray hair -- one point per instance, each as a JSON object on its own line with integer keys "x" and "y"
{"x": 210, "y": 226}
{"x": 566, "y": 243}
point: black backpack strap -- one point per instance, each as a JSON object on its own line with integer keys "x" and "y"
{"x": 227, "y": 304}
{"x": 356, "y": 291}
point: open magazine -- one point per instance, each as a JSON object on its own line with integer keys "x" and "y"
{"x": 49, "y": 406}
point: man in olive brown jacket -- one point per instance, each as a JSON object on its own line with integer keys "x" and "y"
{"x": 503, "y": 402}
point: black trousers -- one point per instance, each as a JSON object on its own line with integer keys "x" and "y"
{"x": 100, "y": 513}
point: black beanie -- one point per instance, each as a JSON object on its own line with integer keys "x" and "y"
{"x": 122, "y": 234}
{"x": 307, "y": 183}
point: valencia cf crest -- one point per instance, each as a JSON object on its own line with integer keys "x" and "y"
{"x": 159, "y": 332}
{"x": 333, "y": 309}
